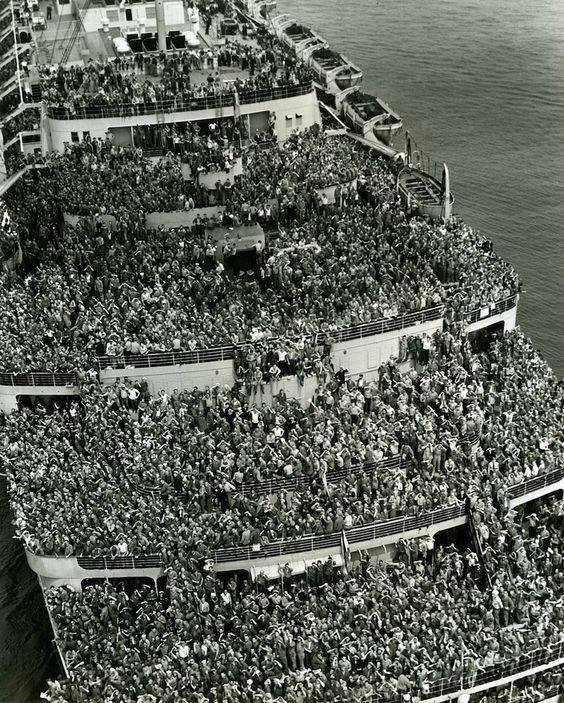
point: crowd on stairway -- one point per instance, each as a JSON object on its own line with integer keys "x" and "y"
{"x": 118, "y": 471}
{"x": 27, "y": 120}
{"x": 169, "y": 290}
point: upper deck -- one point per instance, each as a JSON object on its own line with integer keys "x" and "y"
{"x": 105, "y": 67}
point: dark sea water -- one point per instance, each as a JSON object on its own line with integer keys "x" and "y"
{"x": 27, "y": 656}
{"x": 480, "y": 84}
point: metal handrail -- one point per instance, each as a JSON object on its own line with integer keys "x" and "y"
{"x": 227, "y": 352}
{"x": 360, "y": 331}
{"x": 361, "y": 533}
{"x": 534, "y": 484}
{"x": 306, "y": 543}
{"x": 38, "y": 378}
{"x": 500, "y": 306}
{"x": 149, "y": 561}
{"x": 178, "y": 104}
{"x": 524, "y": 663}
{"x": 247, "y": 97}
{"x": 172, "y": 358}
{"x": 273, "y": 486}
{"x": 384, "y": 528}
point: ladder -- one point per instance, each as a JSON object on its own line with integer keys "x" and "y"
{"x": 18, "y": 110}
{"x": 36, "y": 92}
{"x": 75, "y": 32}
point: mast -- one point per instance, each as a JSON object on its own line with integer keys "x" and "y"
{"x": 447, "y": 200}
{"x": 161, "y": 24}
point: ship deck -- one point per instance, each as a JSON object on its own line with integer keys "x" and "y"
{"x": 54, "y": 39}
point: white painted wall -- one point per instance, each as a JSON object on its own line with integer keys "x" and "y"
{"x": 65, "y": 8}
{"x": 57, "y": 571}
{"x": 304, "y": 105}
{"x": 181, "y": 377}
{"x": 366, "y": 355}
{"x": 95, "y": 17}
{"x": 9, "y": 394}
{"x": 357, "y": 356}
{"x": 539, "y": 493}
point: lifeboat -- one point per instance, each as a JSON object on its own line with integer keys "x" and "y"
{"x": 370, "y": 116}
{"x": 257, "y": 9}
{"x": 430, "y": 196}
{"x": 297, "y": 36}
{"x": 334, "y": 71}
{"x": 418, "y": 188}
{"x": 265, "y": 8}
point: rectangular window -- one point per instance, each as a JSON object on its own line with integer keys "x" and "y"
{"x": 299, "y": 119}
{"x": 113, "y": 16}
{"x": 74, "y": 137}
{"x": 129, "y": 15}
{"x": 86, "y": 135}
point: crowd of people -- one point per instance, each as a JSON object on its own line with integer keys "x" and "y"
{"x": 9, "y": 238}
{"x": 213, "y": 148}
{"x": 368, "y": 631}
{"x": 135, "y": 84}
{"x": 82, "y": 475}
{"x": 118, "y": 471}
{"x": 530, "y": 689}
{"x": 163, "y": 291}
{"x": 209, "y": 155}
{"x": 257, "y": 365}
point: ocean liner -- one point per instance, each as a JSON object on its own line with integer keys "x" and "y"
{"x": 224, "y": 493}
